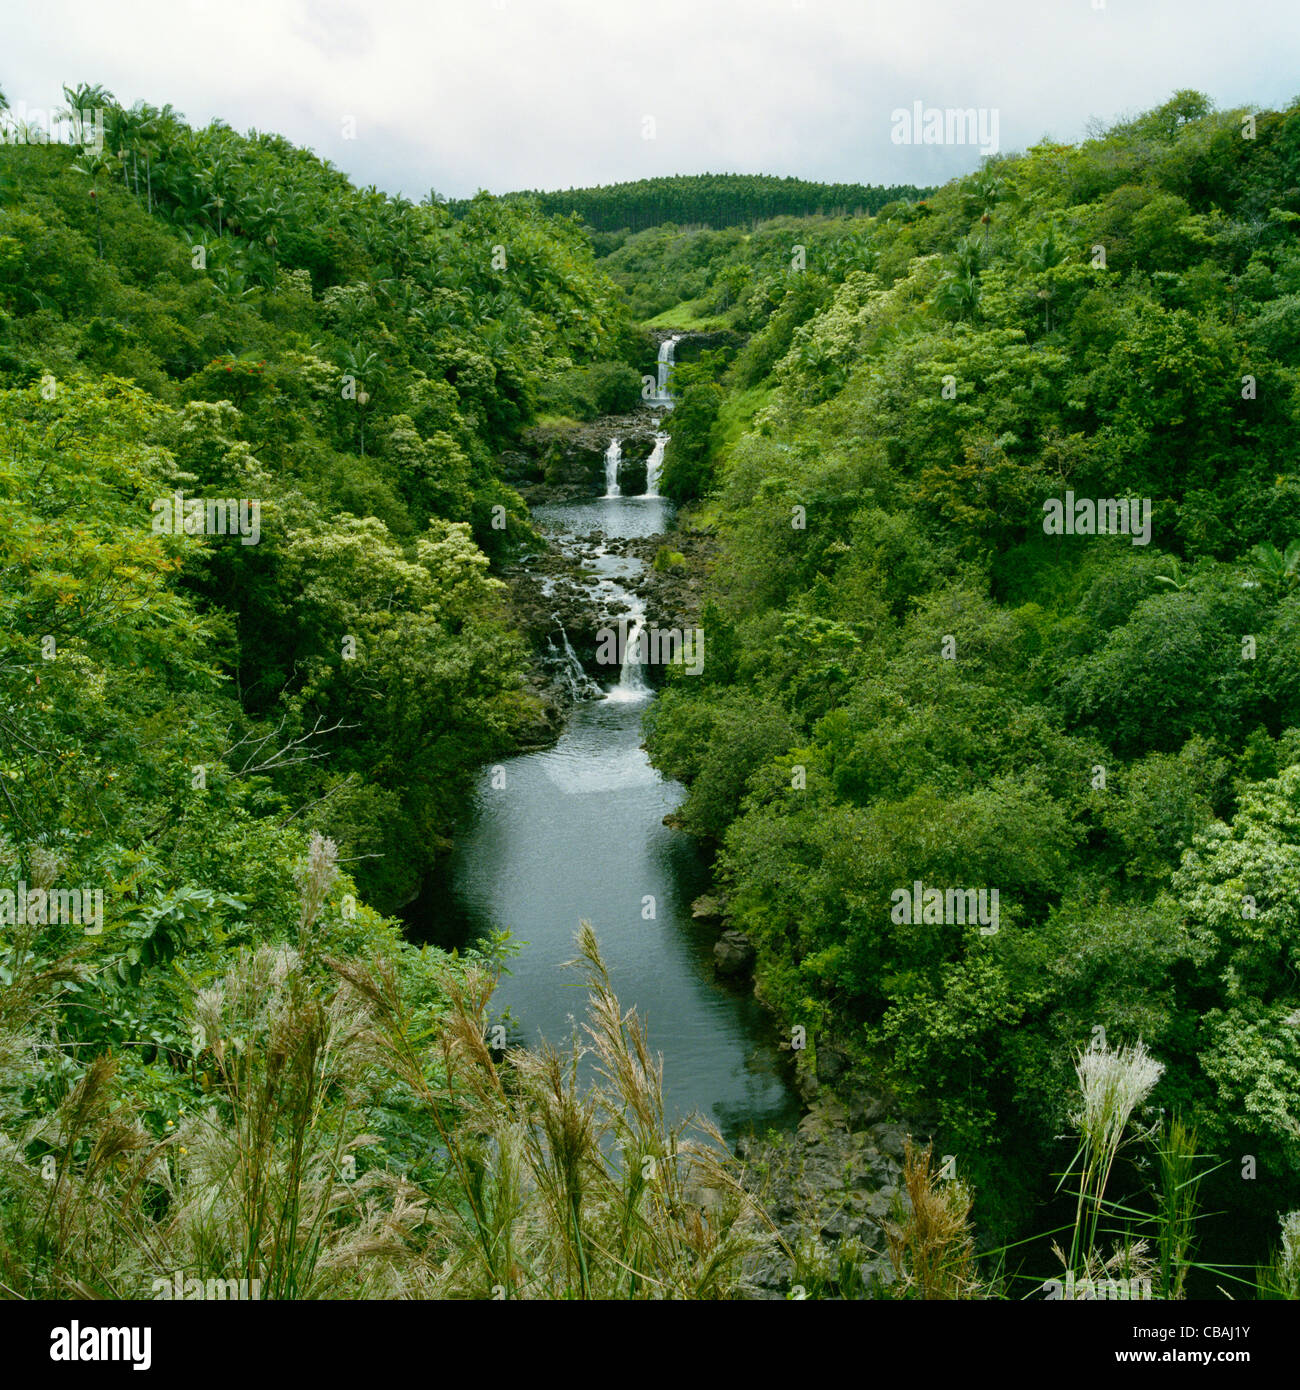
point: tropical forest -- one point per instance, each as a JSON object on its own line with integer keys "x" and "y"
{"x": 716, "y": 737}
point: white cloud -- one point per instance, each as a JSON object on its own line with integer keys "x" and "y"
{"x": 461, "y": 94}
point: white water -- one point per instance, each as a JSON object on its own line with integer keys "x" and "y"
{"x": 666, "y": 350}
{"x": 580, "y": 684}
{"x": 631, "y": 680}
{"x": 613, "y": 457}
{"x": 654, "y": 466}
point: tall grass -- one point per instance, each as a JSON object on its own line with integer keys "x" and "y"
{"x": 1281, "y": 1279}
{"x": 1177, "y": 1205}
{"x": 556, "y": 1189}
{"x": 558, "y": 1172}
{"x": 1112, "y": 1085}
{"x": 1151, "y": 1248}
{"x": 550, "y": 1186}
{"x": 930, "y": 1241}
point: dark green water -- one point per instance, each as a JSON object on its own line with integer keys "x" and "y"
{"x": 576, "y": 831}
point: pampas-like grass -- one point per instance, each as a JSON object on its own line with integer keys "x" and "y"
{"x": 561, "y": 1190}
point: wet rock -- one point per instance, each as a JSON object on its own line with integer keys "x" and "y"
{"x": 830, "y": 1192}
{"x": 709, "y": 907}
{"x": 889, "y": 1139}
{"x": 824, "y": 1119}
{"x": 865, "y": 1108}
{"x": 831, "y": 1064}
{"x": 733, "y": 954}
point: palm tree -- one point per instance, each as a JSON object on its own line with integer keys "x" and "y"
{"x": 1277, "y": 570}
{"x": 967, "y": 259}
{"x": 959, "y": 295}
{"x": 1044, "y": 253}
{"x": 217, "y": 176}
{"x": 123, "y": 134}
{"x": 83, "y": 98}
{"x": 93, "y": 165}
{"x": 1176, "y": 580}
{"x": 262, "y": 220}
{"x": 158, "y": 127}
{"x": 981, "y": 194}
{"x": 357, "y": 366}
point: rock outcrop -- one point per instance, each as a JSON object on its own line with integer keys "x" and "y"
{"x": 733, "y": 954}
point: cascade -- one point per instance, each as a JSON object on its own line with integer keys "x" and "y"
{"x": 654, "y": 466}
{"x": 580, "y": 684}
{"x": 666, "y": 350}
{"x": 613, "y": 457}
{"x": 631, "y": 681}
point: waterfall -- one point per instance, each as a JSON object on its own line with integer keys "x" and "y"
{"x": 654, "y": 465}
{"x": 631, "y": 683}
{"x": 613, "y": 457}
{"x": 579, "y": 683}
{"x": 666, "y": 350}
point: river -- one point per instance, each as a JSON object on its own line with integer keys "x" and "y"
{"x": 576, "y": 831}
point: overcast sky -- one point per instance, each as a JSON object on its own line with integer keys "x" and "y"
{"x": 457, "y": 95}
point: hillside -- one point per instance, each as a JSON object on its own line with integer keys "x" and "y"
{"x": 712, "y": 200}
{"x": 923, "y": 675}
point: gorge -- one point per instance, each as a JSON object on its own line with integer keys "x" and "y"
{"x": 576, "y": 831}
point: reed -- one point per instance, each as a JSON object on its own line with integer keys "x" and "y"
{"x": 1281, "y": 1278}
{"x": 1112, "y": 1084}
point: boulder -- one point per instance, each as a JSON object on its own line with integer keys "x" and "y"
{"x": 865, "y": 1108}
{"x": 733, "y": 954}
{"x": 831, "y": 1065}
{"x": 708, "y": 908}
{"x": 890, "y": 1139}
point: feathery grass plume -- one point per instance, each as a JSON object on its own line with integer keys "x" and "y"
{"x": 1289, "y": 1264}
{"x": 1112, "y": 1084}
{"x": 266, "y": 1154}
{"x": 46, "y": 1215}
{"x": 315, "y": 877}
{"x": 1125, "y": 1275}
{"x": 249, "y": 1187}
{"x": 929, "y": 1239}
{"x": 556, "y": 1188}
{"x": 549, "y": 1186}
{"x": 1281, "y": 1279}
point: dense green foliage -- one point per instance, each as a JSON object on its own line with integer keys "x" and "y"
{"x": 227, "y": 317}
{"x": 350, "y": 361}
{"x": 910, "y": 680}
{"x": 731, "y": 272}
{"x": 715, "y": 200}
